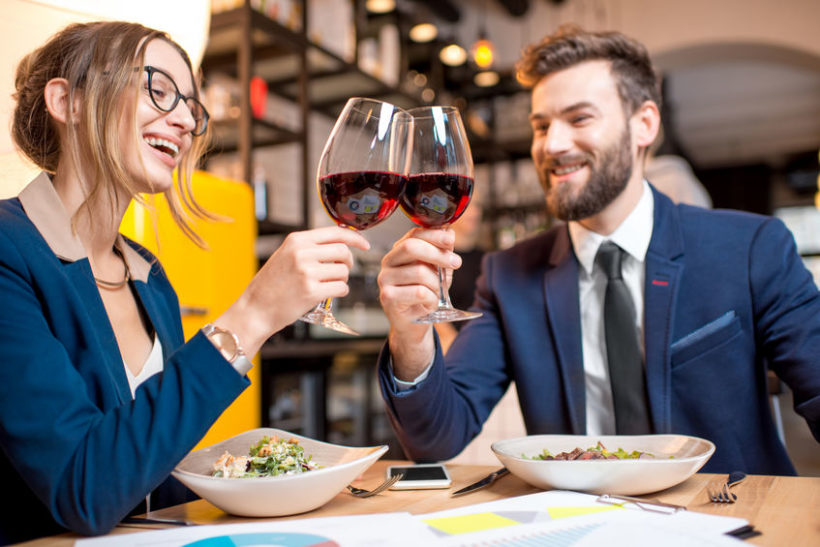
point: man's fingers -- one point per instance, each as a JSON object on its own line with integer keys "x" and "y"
{"x": 416, "y": 250}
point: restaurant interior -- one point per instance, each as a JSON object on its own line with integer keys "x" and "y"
{"x": 741, "y": 125}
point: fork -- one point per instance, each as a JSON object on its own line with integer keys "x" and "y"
{"x": 362, "y": 493}
{"x": 723, "y": 495}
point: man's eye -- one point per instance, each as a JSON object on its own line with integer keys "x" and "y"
{"x": 580, "y": 118}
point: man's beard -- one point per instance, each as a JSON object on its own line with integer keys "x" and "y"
{"x": 607, "y": 179}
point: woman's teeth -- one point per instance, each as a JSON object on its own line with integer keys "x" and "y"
{"x": 163, "y": 146}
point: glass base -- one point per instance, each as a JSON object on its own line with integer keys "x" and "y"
{"x": 447, "y": 315}
{"x": 325, "y": 319}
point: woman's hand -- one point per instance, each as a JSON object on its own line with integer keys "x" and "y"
{"x": 408, "y": 289}
{"x": 308, "y": 267}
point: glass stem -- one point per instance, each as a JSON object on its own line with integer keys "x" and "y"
{"x": 443, "y": 294}
{"x": 325, "y": 305}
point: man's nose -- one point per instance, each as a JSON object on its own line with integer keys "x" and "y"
{"x": 557, "y": 140}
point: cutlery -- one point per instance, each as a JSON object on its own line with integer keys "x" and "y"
{"x": 362, "y": 493}
{"x": 483, "y": 483}
{"x": 154, "y": 521}
{"x": 723, "y": 495}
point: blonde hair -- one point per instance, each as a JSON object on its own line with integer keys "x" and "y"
{"x": 97, "y": 60}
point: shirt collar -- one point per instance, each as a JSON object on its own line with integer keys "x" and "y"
{"x": 45, "y": 210}
{"x": 633, "y": 235}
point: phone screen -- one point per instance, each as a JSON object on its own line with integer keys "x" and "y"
{"x": 420, "y": 476}
{"x": 432, "y": 473}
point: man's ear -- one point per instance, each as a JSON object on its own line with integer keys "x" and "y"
{"x": 645, "y": 122}
{"x": 56, "y": 97}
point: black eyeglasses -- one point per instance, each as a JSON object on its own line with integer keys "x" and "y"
{"x": 165, "y": 95}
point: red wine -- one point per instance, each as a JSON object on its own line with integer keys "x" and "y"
{"x": 361, "y": 199}
{"x": 435, "y": 199}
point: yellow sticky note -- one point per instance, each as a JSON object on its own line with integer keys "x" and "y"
{"x": 563, "y": 512}
{"x": 470, "y": 523}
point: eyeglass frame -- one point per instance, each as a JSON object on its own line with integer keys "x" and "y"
{"x": 205, "y": 118}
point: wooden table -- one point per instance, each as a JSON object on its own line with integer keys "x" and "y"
{"x": 785, "y": 509}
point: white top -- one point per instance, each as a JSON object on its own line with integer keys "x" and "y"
{"x": 153, "y": 364}
{"x": 632, "y": 236}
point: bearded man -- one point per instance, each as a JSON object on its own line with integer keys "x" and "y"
{"x": 634, "y": 316}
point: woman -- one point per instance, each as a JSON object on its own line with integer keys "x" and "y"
{"x": 109, "y": 110}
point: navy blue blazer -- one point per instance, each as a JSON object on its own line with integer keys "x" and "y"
{"x": 726, "y": 297}
{"x": 77, "y": 451}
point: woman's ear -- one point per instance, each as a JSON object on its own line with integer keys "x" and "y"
{"x": 56, "y": 97}
{"x": 646, "y": 122}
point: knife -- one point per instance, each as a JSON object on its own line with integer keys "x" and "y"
{"x": 483, "y": 483}
{"x": 139, "y": 521}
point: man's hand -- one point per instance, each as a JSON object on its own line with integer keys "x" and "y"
{"x": 408, "y": 289}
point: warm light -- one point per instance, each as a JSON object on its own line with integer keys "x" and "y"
{"x": 380, "y": 6}
{"x": 483, "y": 53}
{"x": 453, "y": 55}
{"x": 817, "y": 195}
{"x": 28, "y": 24}
{"x": 423, "y": 32}
{"x": 488, "y": 78}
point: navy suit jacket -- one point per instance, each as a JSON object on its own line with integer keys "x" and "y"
{"x": 77, "y": 451}
{"x": 726, "y": 297}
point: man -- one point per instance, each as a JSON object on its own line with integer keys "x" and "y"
{"x": 720, "y": 296}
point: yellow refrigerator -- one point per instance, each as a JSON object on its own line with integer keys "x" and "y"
{"x": 207, "y": 281}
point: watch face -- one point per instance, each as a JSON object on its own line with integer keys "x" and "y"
{"x": 226, "y": 344}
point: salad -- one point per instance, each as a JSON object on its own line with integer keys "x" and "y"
{"x": 597, "y": 452}
{"x": 269, "y": 457}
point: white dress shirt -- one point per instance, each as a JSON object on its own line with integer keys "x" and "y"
{"x": 632, "y": 236}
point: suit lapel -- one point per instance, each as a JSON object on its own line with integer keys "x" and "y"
{"x": 664, "y": 264}
{"x": 81, "y": 276}
{"x": 562, "y": 304}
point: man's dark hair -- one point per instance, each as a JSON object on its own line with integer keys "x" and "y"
{"x": 570, "y": 45}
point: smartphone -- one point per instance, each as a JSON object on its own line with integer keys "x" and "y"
{"x": 420, "y": 476}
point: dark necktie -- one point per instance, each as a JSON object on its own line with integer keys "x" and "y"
{"x": 622, "y": 348}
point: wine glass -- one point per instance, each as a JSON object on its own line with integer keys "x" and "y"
{"x": 362, "y": 172}
{"x": 440, "y": 185}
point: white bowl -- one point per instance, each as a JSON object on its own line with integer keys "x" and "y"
{"x": 617, "y": 477}
{"x": 275, "y": 496}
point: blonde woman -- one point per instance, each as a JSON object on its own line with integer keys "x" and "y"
{"x": 99, "y": 395}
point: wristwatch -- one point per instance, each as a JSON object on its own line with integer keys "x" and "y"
{"x": 228, "y": 345}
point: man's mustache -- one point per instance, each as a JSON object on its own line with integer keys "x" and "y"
{"x": 560, "y": 161}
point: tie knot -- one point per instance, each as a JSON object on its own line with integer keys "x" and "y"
{"x": 609, "y": 257}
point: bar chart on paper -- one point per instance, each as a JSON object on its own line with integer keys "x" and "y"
{"x": 572, "y": 519}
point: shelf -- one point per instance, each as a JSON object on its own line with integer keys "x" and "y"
{"x": 276, "y": 58}
{"x": 524, "y": 208}
{"x": 303, "y": 76}
{"x": 324, "y": 348}
{"x": 264, "y": 133}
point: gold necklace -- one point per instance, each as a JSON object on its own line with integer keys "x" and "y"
{"x": 114, "y": 285}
